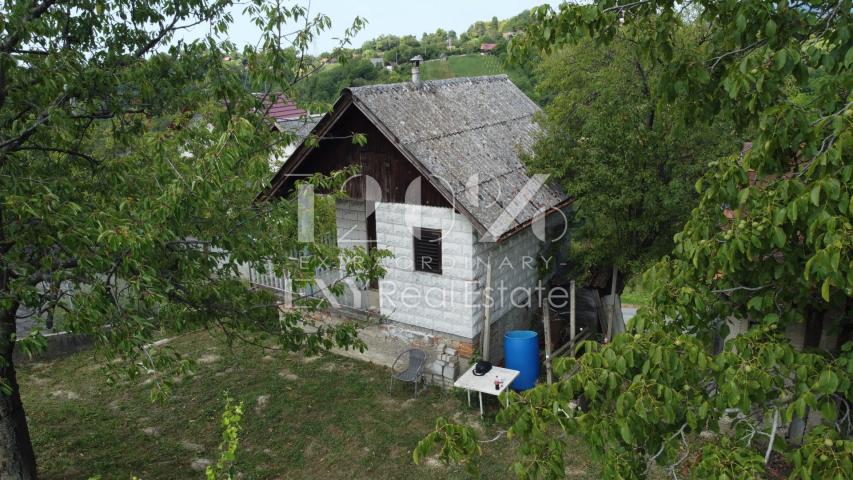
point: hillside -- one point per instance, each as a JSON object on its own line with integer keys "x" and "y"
{"x": 473, "y": 65}
{"x": 358, "y": 67}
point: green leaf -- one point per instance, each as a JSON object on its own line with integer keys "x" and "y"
{"x": 778, "y": 237}
{"x": 815, "y": 195}
{"x": 770, "y": 29}
{"x": 742, "y": 196}
{"x": 824, "y": 290}
{"x": 835, "y": 260}
{"x": 740, "y": 22}
{"x": 779, "y": 60}
{"x": 828, "y": 382}
{"x": 625, "y": 431}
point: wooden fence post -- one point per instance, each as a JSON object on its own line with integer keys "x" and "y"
{"x": 546, "y": 318}
{"x": 487, "y": 314}
{"x": 572, "y": 332}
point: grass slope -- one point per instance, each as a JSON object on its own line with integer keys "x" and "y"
{"x": 322, "y": 418}
{"x": 475, "y": 65}
{"x": 461, "y": 66}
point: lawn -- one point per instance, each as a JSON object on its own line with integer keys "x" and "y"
{"x": 474, "y": 65}
{"x": 325, "y": 417}
{"x": 461, "y": 66}
{"x": 636, "y": 296}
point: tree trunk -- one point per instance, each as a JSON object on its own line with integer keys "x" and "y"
{"x": 17, "y": 460}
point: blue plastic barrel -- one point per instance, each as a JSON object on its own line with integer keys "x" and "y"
{"x": 521, "y": 352}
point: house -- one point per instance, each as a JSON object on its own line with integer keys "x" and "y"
{"x": 286, "y": 116}
{"x": 377, "y": 62}
{"x": 442, "y": 187}
{"x": 280, "y": 108}
{"x": 488, "y": 48}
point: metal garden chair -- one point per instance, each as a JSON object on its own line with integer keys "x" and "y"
{"x": 413, "y": 372}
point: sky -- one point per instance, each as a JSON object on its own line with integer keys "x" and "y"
{"x": 401, "y": 17}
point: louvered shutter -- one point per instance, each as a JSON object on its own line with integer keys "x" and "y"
{"x": 427, "y": 243}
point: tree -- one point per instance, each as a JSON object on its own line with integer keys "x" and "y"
{"x": 769, "y": 242}
{"x": 626, "y": 158}
{"x": 324, "y": 87}
{"x": 130, "y": 162}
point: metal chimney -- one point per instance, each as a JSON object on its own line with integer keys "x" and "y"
{"x": 416, "y": 69}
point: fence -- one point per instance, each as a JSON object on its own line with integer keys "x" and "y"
{"x": 282, "y": 284}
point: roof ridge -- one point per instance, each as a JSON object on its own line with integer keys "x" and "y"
{"x": 428, "y": 83}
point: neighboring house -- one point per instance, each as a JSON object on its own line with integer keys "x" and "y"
{"x": 289, "y": 117}
{"x": 444, "y": 190}
{"x": 488, "y": 48}
{"x": 283, "y": 108}
{"x": 377, "y": 62}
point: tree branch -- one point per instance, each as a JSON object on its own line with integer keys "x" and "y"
{"x": 740, "y": 287}
{"x": 40, "y": 148}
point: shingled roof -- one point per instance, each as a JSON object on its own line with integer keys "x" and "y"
{"x": 283, "y": 109}
{"x": 468, "y": 133}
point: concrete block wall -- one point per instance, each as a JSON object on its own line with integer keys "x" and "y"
{"x": 351, "y": 223}
{"x": 449, "y": 306}
{"x": 796, "y": 333}
{"x": 515, "y": 285}
{"x": 443, "y": 302}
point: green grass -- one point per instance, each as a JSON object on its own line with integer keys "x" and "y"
{"x": 635, "y": 296}
{"x": 336, "y": 420}
{"x": 436, "y": 70}
{"x": 461, "y": 66}
{"x": 474, "y": 65}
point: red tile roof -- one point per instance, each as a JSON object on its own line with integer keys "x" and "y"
{"x": 488, "y": 46}
{"x": 284, "y": 109}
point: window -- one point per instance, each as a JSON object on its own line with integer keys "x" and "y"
{"x": 427, "y": 250}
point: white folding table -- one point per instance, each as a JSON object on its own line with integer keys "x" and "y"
{"x": 486, "y": 383}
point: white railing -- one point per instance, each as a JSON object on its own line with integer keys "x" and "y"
{"x": 282, "y": 283}
{"x": 270, "y": 280}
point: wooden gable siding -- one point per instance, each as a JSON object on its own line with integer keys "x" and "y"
{"x": 378, "y": 159}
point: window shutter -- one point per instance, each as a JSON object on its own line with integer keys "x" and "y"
{"x": 427, "y": 242}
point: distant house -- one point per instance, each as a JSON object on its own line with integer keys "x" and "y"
{"x": 442, "y": 187}
{"x": 488, "y": 48}
{"x": 286, "y": 116}
{"x": 280, "y": 108}
{"x": 508, "y": 35}
{"x": 377, "y": 62}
